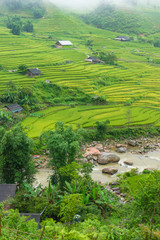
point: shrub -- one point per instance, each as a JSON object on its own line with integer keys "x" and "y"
{"x": 22, "y": 68}
{"x": 16, "y": 29}
{"x": 28, "y": 26}
{"x": 101, "y": 129}
{"x": 38, "y": 13}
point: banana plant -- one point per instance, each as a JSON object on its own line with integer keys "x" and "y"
{"x": 104, "y": 203}
{"x": 85, "y": 199}
{"x": 52, "y": 193}
{"x": 73, "y": 187}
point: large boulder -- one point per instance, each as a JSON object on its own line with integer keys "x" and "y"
{"x": 91, "y": 151}
{"x": 110, "y": 171}
{"x": 105, "y": 158}
{"x": 121, "y": 150}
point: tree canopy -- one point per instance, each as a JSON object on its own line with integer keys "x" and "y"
{"x": 63, "y": 146}
{"x": 15, "y": 155}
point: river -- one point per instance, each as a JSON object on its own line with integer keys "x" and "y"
{"x": 140, "y": 161}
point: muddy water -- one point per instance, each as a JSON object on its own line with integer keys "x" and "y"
{"x": 42, "y": 177}
{"x": 148, "y": 160}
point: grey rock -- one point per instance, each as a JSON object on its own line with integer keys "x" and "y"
{"x": 110, "y": 171}
{"x": 95, "y": 158}
{"x": 84, "y": 160}
{"x": 121, "y": 150}
{"x": 132, "y": 143}
{"x": 89, "y": 157}
{"x": 123, "y": 194}
{"x": 105, "y": 158}
{"x": 115, "y": 189}
{"x": 115, "y": 183}
{"x": 117, "y": 192}
{"x": 99, "y": 146}
{"x": 108, "y": 188}
{"x": 91, "y": 161}
{"x": 128, "y": 163}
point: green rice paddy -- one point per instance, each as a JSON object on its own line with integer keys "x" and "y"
{"x": 86, "y": 116}
{"x": 133, "y": 84}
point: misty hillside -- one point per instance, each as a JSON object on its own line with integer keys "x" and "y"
{"x": 28, "y": 38}
{"x": 124, "y": 20}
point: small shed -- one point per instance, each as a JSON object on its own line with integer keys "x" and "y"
{"x": 35, "y": 216}
{"x": 6, "y": 191}
{"x": 93, "y": 59}
{"x": 122, "y": 38}
{"x": 32, "y": 72}
{"x": 15, "y": 107}
{"x": 60, "y": 44}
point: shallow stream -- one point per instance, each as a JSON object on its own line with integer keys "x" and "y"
{"x": 140, "y": 161}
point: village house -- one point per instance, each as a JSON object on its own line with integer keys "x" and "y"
{"x": 32, "y": 72}
{"x": 93, "y": 59}
{"x": 60, "y": 44}
{"x": 14, "y": 108}
{"x": 7, "y": 191}
{"x": 122, "y": 38}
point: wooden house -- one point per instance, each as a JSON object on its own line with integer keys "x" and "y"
{"x": 7, "y": 191}
{"x": 14, "y": 108}
{"x": 93, "y": 59}
{"x": 32, "y": 72}
{"x": 122, "y": 38}
{"x": 60, "y": 44}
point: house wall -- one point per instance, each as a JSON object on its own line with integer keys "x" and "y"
{"x": 88, "y": 60}
{"x": 59, "y": 46}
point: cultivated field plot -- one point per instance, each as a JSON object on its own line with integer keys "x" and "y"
{"x": 133, "y": 83}
{"x": 86, "y": 116}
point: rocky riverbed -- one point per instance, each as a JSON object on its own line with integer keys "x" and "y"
{"x": 112, "y": 158}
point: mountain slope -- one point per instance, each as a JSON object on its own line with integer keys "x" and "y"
{"x": 131, "y": 84}
{"x": 124, "y": 20}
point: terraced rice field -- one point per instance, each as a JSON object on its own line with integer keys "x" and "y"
{"x": 86, "y": 116}
{"x": 133, "y": 84}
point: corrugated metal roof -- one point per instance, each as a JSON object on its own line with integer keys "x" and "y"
{"x": 35, "y": 216}
{"x": 65, "y": 43}
{"x": 34, "y": 71}
{"x": 122, "y": 38}
{"x": 7, "y": 190}
{"x": 15, "y": 107}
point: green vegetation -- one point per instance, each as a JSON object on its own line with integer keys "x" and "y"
{"x": 87, "y": 209}
{"x": 144, "y": 189}
{"x": 16, "y": 164}
{"x": 63, "y": 146}
{"x": 112, "y": 100}
{"x": 16, "y": 25}
{"x": 133, "y": 83}
{"x": 87, "y": 116}
{"x": 123, "y": 20}
{"x": 108, "y": 58}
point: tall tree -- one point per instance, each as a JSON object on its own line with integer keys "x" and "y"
{"x": 63, "y": 146}
{"x": 16, "y": 164}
